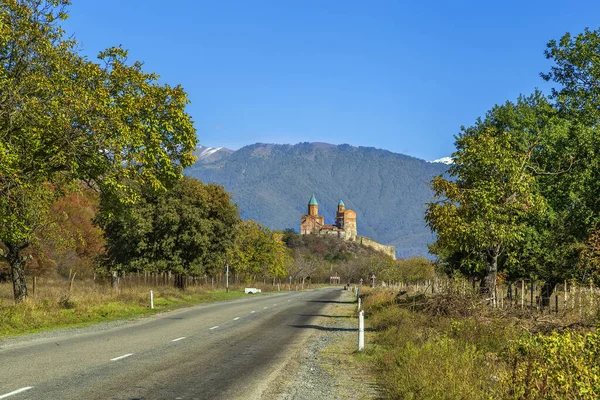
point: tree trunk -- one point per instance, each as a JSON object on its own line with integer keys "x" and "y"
{"x": 547, "y": 290}
{"x": 17, "y": 270}
{"x": 488, "y": 283}
{"x": 179, "y": 282}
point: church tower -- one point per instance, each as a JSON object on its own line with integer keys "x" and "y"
{"x": 313, "y": 206}
{"x": 312, "y": 222}
{"x": 339, "y": 216}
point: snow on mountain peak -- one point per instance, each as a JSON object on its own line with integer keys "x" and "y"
{"x": 207, "y": 151}
{"x": 443, "y": 160}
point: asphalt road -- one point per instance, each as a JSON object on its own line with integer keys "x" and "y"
{"x": 224, "y": 350}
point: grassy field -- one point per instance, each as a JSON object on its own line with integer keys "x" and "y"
{"x": 87, "y": 302}
{"x": 454, "y": 346}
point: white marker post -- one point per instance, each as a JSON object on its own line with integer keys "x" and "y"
{"x": 151, "y": 300}
{"x": 227, "y": 278}
{"x": 359, "y": 304}
{"x": 361, "y": 330}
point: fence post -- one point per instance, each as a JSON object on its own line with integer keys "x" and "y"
{"x": 522, "y": 292}
{"x": 71, "y": 282}
{"x": 580, "y": 302}
{"x": 151, "y": 300}
{"x": 573, "y": 294}
{"x": 565, "y": 295}
{"x": 361, "y": 330}
{"x": 531, "y": 295}
{"x": 591, "y": 298}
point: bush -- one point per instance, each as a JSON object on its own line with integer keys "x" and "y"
{"x": 440, "y": 368}
{"x": 449, "y": 346}
{"x": 420, "y": 356}
{"x": 556, "y": 366}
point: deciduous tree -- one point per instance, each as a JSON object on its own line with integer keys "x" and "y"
{"x": 481, "y": 208}
{"x": 187, "y": 230}
{"x": 64, "y": 119}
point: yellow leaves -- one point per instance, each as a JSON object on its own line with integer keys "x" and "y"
{"x": 560, "y": 365}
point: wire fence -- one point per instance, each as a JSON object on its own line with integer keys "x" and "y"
{"x": 528, "y": 295}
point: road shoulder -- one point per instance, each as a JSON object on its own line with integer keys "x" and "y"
{"x": 325, "y": 365}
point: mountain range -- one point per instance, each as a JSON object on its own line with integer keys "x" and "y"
{"x": 272, "y": 184}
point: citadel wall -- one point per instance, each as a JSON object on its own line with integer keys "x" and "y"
{"x": 365, "y": 241}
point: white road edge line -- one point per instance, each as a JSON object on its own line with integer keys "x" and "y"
{"x": 214, "y": 327}
{"x": 121, "y": 357}
{"x": 236, "y": 318}
{"x": 3, "y": 396}
{"x": 178, "y": 339}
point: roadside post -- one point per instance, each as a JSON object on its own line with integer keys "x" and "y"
{"x": 227, "y": 278}
{"x": 359, "y": 304}
{"x": 361, "y": 330}
{"x": 151, "y": 300}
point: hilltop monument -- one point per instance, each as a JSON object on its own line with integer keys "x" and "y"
{"x": 344, "y": 228}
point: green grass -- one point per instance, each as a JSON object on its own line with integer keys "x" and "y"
{"x": 89, "y": 304}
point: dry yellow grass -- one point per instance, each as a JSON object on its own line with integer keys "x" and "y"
{"x": 56, "y": 303}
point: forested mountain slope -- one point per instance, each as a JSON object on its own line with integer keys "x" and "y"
{"x": 273, "y": 183}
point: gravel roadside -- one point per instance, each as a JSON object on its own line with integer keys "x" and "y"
{"x": 325, "y": 367}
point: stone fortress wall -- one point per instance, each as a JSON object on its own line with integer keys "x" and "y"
{"x": 365, "y": 241}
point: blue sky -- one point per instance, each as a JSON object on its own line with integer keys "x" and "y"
{"x": 398, "y": 75}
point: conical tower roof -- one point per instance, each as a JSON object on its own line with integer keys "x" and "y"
{"x": 313, "y": 201}
{"x": 341, "y": 203}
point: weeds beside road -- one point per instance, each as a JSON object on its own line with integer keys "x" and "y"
{"x": 453, "y": 346}
{"x": 56, "y": 304}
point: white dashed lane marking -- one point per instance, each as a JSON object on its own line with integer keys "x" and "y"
{"x": 251, "y": 312}
{"x": 178, "y": 339}
{"x": 264, "y": 308}
{"x": 214, "y": 327}
{"x": 121, "y": 357}
{"x": 236, "y": 318}
{"x": 3, "y": 396}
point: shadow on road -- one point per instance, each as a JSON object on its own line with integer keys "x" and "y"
{"x": 326, "y": 316}
{"x": 329, "y": 328}
{"x": 331, "y": 301}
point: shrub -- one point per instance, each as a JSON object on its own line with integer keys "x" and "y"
{"x": 440, "y": 368}
{"x": 556, "y": 366}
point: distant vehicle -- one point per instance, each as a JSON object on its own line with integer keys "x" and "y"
{"x": 251, "y": 290}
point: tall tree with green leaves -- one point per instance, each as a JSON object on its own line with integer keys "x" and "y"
{"x": 187, "y": 230}
{"x": 576, "y": 71}
{"x": 481, "y": 209}
{"x": 64, "y": 119}
{"x": 258, "y": 251}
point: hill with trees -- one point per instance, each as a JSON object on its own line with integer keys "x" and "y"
{"x": 272, "y": 184}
